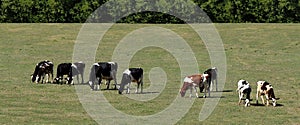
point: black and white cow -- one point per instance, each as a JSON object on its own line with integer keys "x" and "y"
{"x": 132, "y": 75}
{"x": 42, "y": 69}
{"x": 244, "y": 89}
{"x": 80, "y": 67}
{"x": 68, "y": 69}
{"x": 103, "y": 70}
{"x": 212, "y": 78}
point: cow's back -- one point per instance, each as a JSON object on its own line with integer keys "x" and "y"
{"x": 136, "y": 73}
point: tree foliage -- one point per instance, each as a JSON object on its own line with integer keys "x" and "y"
{"x": 78, "y": 11}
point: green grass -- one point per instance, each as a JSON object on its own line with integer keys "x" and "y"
{"x": 253, "y": 52}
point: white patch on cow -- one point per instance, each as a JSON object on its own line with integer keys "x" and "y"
{"x": 47, "y": 78}
{"x": 260, "y": 82}
{"x": 188, "y": 80}
{"x": 112, "y": 63}
{"x": 74, "y": 66}
{"x": 247, "y": 102}
{"x": 96, "y": 64}
{"x": 204, "y": 76}
{"x": 127, "y": 71}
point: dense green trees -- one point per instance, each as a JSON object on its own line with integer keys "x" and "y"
{"x": 71, "y": 11}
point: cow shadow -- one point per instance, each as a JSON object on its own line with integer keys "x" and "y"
{"x": 221, "y": 91}
{"x": 262, "y": 105}
{"x": 146, "y": 93}
{"x": 226, "y": 91}
{"x": 212, "y": 97}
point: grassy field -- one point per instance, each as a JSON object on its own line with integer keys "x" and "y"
{"x": 253, "y": 52}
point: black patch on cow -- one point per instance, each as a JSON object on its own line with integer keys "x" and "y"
{"x": 136, "y": 73}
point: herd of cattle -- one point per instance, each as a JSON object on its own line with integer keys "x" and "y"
{"x": 43, "y": 72}
{"x": 107, "y": 70}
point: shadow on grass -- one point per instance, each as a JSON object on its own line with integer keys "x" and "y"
{"x": 221, "y": 91}
{"x": 212, "y": 97}
{"x": 145, "y": 93}
{"x": 277, "y": 105}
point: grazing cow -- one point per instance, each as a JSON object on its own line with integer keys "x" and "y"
{"x": 244, "y": 89}
{"x": 103, "y": 70}
{"x": 132, "y": 75}
{"x": 80, "y": 67}
{"x": 193, "y": 81}
{"x": 42, "y": 69}
{"x": 265, "y": 88}
{"x": 68, "y": 69}
{"x": 212, "y": 78}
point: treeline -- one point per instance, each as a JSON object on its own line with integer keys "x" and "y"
{"x": 219, "y": 11}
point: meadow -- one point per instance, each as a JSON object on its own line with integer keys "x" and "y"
{"x": 253, "y": 52}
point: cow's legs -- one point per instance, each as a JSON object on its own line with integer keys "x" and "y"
{"x": 107, "y": 83}
{"x": 113, "y": 74}
{"x": 38, "y": 79}
{"x": 128, "y": 88}
{"x": 210, "y": 81}
{"x": 262, "y": 99}
{"x": 216, "y": 80}
{"x": 240, "y": 97}
{"x": 137, "y": 88}
{"x": 98, "y": 85}
{"x": 195, "y": 90}
{"x": 82, "y": 78}
{"x": 257, "y": 94}
{"x": 51, "y": 77}
{"x": 191, "y": 91}
{"x": 142, "y": 86}
{"x": 267, "y": 99}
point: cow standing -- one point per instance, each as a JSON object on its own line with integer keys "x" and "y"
{"x": 265, "y": 88}
{"x": 132, "y": 75}
{"x": 80, "y": 67}
{"x": 193, "y": 81}
{"x": 103, "y": 70}
{"x": 68, "y": 69}
{"x": 42, "y": 69}
{"x": 244, "y": 89}
{"x": 212, "y": 78}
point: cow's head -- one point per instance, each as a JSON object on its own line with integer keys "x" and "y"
{"x": 183, "y": 89}
{"x": 271, "y": 94}
{"x": 33, "y": 77}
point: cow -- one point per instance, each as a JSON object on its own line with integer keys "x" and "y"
{"x": 265, "y": 88}
{"x": 193, "y": 81}
{"x": 244, "y": 89}
{"x": 42, "y": 69}
{"x": 132, "y": 75}
{"x": 80, "y": 67}
{"x": 212, "y": 78}
{"x": 103, "y": 70}
{"x": 68, "y": 69}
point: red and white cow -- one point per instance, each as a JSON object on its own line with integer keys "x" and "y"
{"x": 193, "y": 81}
{"x": 265, "y": 88}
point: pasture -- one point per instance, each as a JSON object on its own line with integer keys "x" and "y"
{"x": 253, "y": 52}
